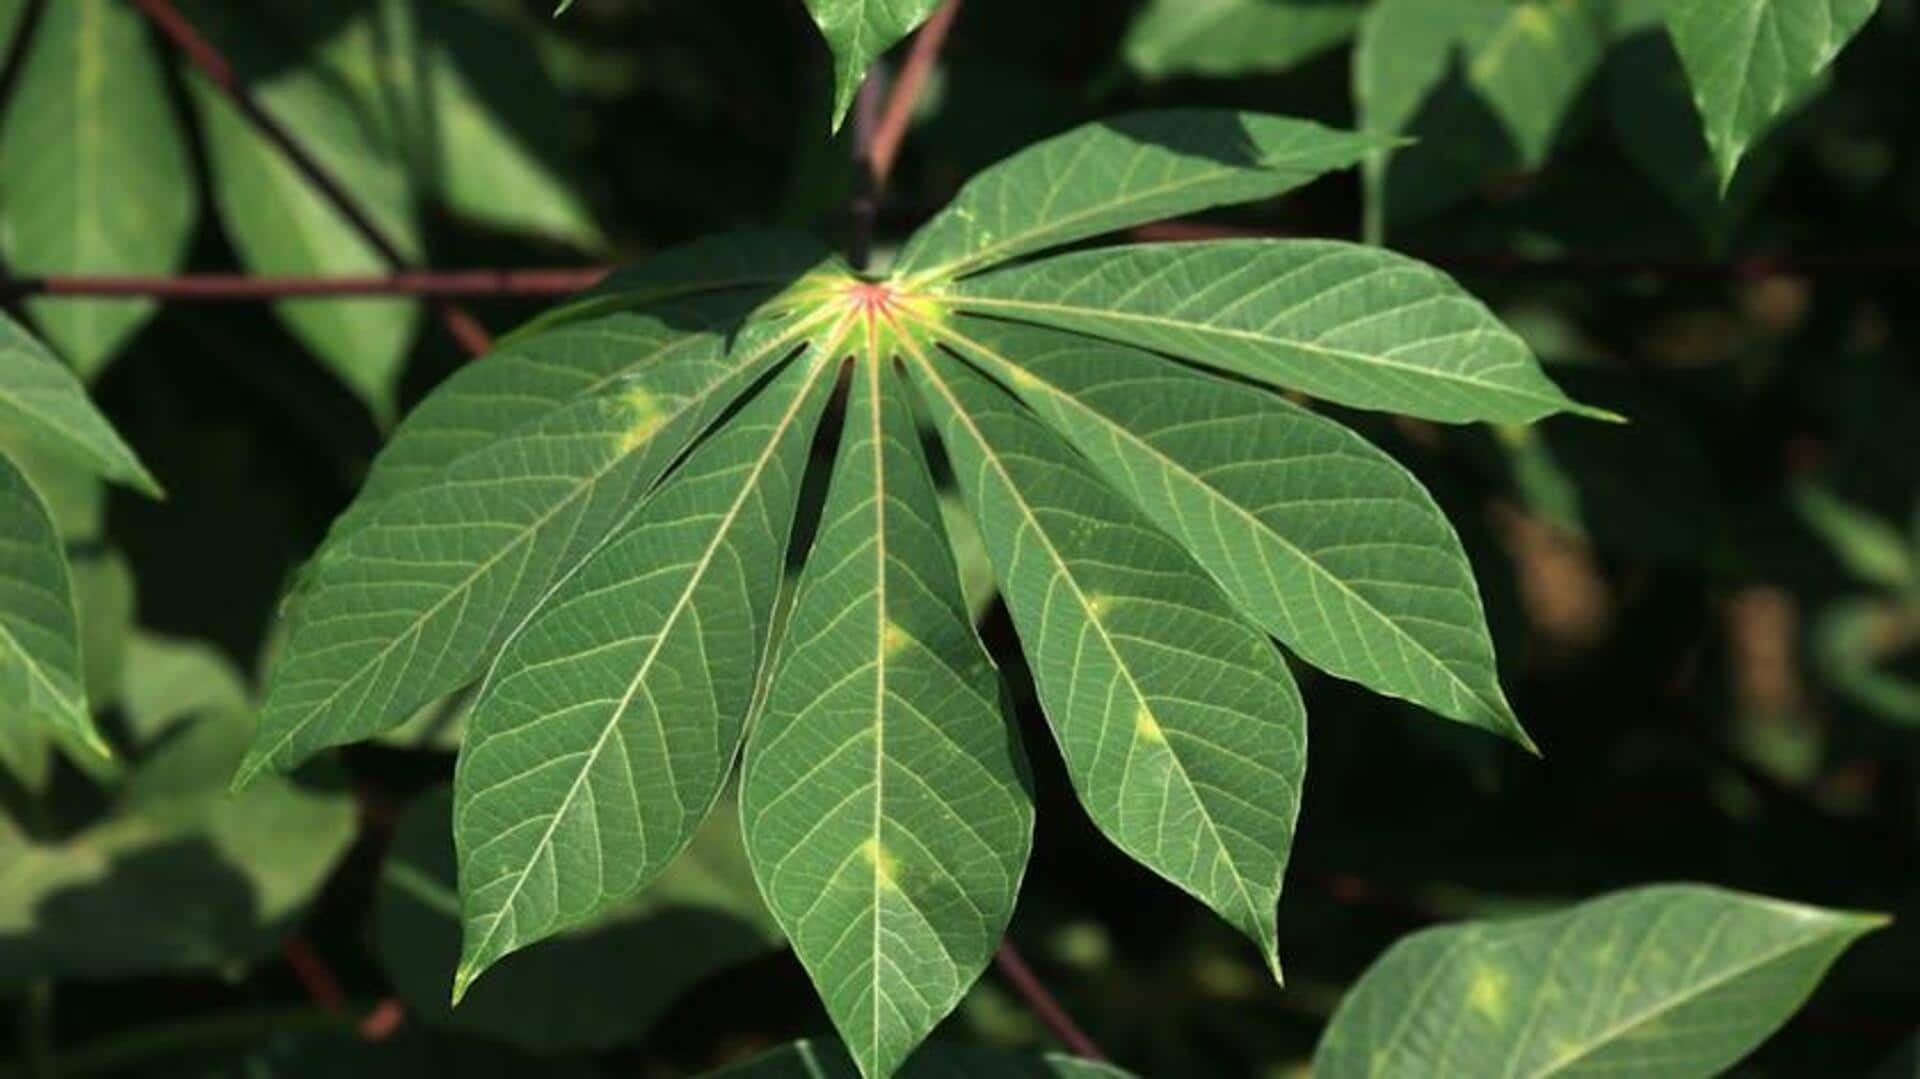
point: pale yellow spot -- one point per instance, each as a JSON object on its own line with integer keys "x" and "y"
{"x": 645, "y": 422}
{"x": 1099, "y": 603}
{"x": 1487, "y": 992}
{"x": 1148, "y": 727}
{"x": 895, "y": 639}
{"x": 886, "y": 867}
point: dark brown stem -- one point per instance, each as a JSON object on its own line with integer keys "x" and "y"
{"x": 469, "y": 283}
{"x": 201, "y": 53}
{"x": 1042, "y": 1003}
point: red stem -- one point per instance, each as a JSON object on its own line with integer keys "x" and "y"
{"x": 1015, "y": 970}
{"x": 892, "y": 129}
{"x": 180, "y": 33}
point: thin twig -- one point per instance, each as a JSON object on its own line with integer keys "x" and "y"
{"x": 892, "y": 129}
{"x": 1047, "y": 1009}
{"x": 466, "y": 283}
{"x": 321, "y": 984}
{"x": 200, "y": 52}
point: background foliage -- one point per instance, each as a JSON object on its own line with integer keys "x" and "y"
{"x": 1707, "y": 619}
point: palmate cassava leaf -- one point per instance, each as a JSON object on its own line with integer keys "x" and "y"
{"x": 1181, "y": 728}
{"x": 1116, "y": 173}
{"x": 600, "y": 745}
{"x": 1751, "y": 60}
{"x": 94, "y": 172}
{"x": 414, "y": 603}
{"x": 592, "y": 525}
{"x": 1669, "y": 980}
{"x": 858, "y": 31}
{"x": 1352, "y": 324}
{"x": 40, "y": 675}
{"x": 42, "y": 401}
{"x": 884, "y": 799}
{"x": 1321, "y": 539}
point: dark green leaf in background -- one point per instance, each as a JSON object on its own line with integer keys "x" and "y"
{"x": 94, "y": 171}
{"x": 1235, "y": 37}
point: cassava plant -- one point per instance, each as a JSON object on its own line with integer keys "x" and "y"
{"x": 693, "y": 563}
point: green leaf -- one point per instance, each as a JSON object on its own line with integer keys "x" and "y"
{"x": 1669, "y": 980}
{"x": 40, "y": 397}
{"x": 1527, "y": 59}
{"x": 1871, "y": 549}
{"x": 413, "y": 605}
{"x": 281, "y": 224}
{"x": 1181, "y": 728}
{"x": 1356, "y": 325}
{"x": 811, "y": 1059}
{"x": 884, "y": 797}
{"x": 40, "y": 673}
{"x": 607, "y": 728}
{"x": 1118, "y": 173}
{"x": 524, "y": 380}
{"x": 1321, "y": 539}
{"x": 478, "y": 111}
{"x": 601, "y": 985}
{"x": 169, "y": 679}
{"x": 858, "y": 31}
{"x": 178, "y": 876}
{"x": 1750, "y": 60}
{"x": 94, "y": 175}
{"x": 1234, "y": 37}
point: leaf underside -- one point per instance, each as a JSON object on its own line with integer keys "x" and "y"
{"x": 1670, "y": 980}
{"x": 591, "y": 526}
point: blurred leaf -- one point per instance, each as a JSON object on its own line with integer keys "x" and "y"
{"x": 1876, "y": 552}
{"x": 1235, "y": 37}
{"x": 1130, "y": 170}
{"x": 94, "y": 175}
{"x": 1667, "y": 980}
{"x": 609, "y": 724}
{"x": 1352, "y": 324}
{"x": 601, "y": 984}
{"x": 883, "y": 793}
{"x": 168, "y": 679}
{"x": 41, "y": 679}
{"x": 858, "y": 31}
{"x": 1528, "y": 58}
{"x": 104, "y": 596}
{"x": 829, "y": 1060}
{"x": 178, "y": 876}
{"x": 482, "y": 119}
{"x": 1446, "y": 70}
{"x": 1750, "y": 60}
{"x": 410, "y": 1053}
{"x": 1855, "y": 645}
{"x": 280, "y": 223}
{"x": 42, "y": 400}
